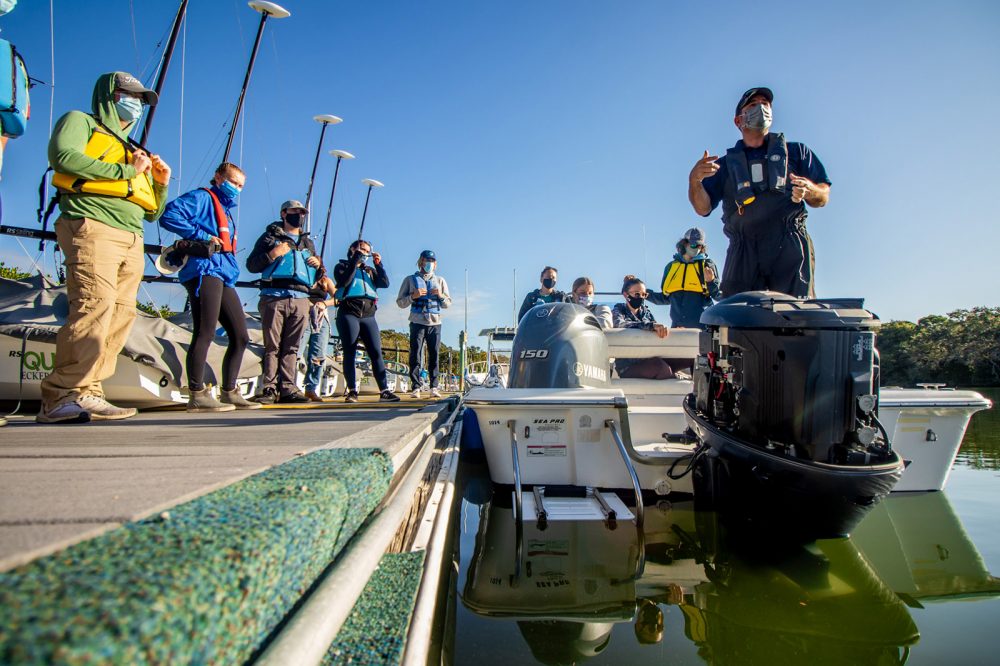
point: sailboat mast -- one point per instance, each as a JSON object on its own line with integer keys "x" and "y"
{"x": 164, "y": 65}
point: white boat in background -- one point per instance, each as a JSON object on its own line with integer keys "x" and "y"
{"x": 150, "y": 369}
{"x": 492, "y": 371}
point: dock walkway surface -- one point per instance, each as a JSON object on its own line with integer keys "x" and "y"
{"x": 193, "y": 538}
{"x": 63, "y": 483}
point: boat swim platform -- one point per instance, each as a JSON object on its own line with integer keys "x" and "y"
{"x": 127, "y": 541}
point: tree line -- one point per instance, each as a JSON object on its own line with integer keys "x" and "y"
{"x": 961, "y": 348}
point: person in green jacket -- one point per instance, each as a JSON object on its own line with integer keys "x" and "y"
{"x": 107, "y": 188}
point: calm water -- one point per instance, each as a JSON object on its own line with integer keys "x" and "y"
{"x": 917, "y": 583}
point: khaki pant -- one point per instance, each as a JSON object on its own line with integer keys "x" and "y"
{"x": 103, "y": 270}
{"x": 283, "y": 320}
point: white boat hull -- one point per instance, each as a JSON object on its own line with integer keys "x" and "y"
{"x": 562, "y": 443}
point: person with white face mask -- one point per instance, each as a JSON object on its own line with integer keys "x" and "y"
{"x": 583, "y": 295}
{"x": 764, "y": 184}
{"x": 426, "y": 294}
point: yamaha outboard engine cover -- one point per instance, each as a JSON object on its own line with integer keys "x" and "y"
{"x": 559, "y": 345}
{"x": 794, "y": 376}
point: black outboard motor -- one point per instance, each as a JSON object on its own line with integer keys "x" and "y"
{"x": 792, "y": 373}
{"x": 786, "y": 403}
{"x": 559, "y": 345}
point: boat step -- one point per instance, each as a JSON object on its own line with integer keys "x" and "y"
{"x": 575, "y": 508}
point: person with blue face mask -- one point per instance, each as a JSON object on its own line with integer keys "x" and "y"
{"x": 764, "y": 184}
{"x": 107, "y": 188}
{"x": 209, "y": 273}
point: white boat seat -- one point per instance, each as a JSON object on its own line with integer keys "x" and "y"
{"x": 653, "y": 386}
{"x": 636, "y": 343}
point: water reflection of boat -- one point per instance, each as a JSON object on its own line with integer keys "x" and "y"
{"x": 568, "y": 586}
{"x": 920, "y": 549}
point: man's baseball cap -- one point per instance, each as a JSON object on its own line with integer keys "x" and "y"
{"x": 750, "y": 94}
{"x": 695, "y": 236}
{"x": 128, "y": 83}
{"x": 428, "y": 255}
{"x": 293, "y": 203}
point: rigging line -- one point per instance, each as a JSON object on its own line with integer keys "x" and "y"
{"x": 41, "y": 271}
{"x": 135, "y": 39}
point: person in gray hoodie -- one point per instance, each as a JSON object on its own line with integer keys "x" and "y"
{"x": 426, "y": 294}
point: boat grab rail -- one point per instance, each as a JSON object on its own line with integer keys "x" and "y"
{"x": 639, "y": 512}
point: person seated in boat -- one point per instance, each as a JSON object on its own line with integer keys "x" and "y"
{"x": 321, "y": 299}
{"x": 547, "y": 293}
{"x": 204, "y": 215}
{"x": 287, "y": 262}
{"x": 357, "y": 294}
{"x": 690, "y": 281}
{"x": 634, "y": 313}
{"x": 583, "y": 294}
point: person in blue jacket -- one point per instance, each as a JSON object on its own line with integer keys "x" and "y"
{"x": 357, "y": 292}
{"x": 205, "y": 215}
{"x": 690, "y": 282}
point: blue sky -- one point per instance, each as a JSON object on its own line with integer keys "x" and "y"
{"x": 511, "y": 135}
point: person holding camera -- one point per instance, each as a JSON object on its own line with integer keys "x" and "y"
{"x": 357, "y": 294}
{"x": 207, "y": 254}
{"x": 288, "y": 265}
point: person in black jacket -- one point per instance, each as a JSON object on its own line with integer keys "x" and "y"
{"x": 357, "y": 285}
{"x": 547, "y": 293}
{"x": 288, "y": 265}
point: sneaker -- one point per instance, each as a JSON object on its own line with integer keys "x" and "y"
{"x": 236, "y": 399}
{"x": 295, "y": 398}
{"x": 435, "y": 393}
{"x": 267, "y": 397}
{"x": 67, "y": 412}
{"x": 204, "y": 401}
{"x": 102, "y": 410}
{"x": 312, "y": 396}
{"x": 415, "y": 393}
{"x": 352, "y": 396}
{"x": 388, "y": 396}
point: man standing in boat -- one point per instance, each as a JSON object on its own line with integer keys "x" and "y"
{"x": 107, "y": 186}
{"x": 764, "y": 184}
{"x": 426, "y": 294}
{"x": 287, "y": 261}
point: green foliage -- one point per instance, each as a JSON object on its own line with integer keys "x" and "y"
{"x": 961, "y": 349}
{"x": 396, "y": 346}
{"x": 155, "y": 310}
{"x": 13, "y": 272}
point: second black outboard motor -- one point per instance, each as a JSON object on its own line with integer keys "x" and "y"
{"x": 559, "y": 345}
{"x": 793, "y": 373}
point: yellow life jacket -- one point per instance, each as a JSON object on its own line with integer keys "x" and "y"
{"x": 680, "y": 278}
{"x": 107, "y": 147}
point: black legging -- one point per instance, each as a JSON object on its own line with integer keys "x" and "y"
{"x": 214, "y": 304}
{"x": 350, "y": 328}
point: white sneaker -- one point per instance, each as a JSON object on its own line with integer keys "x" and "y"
{"x": 415, "y": 393}
{"x": 102, "y": 410}
{"x": 435, "y": 393}
{"x": 67, "y": 412}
